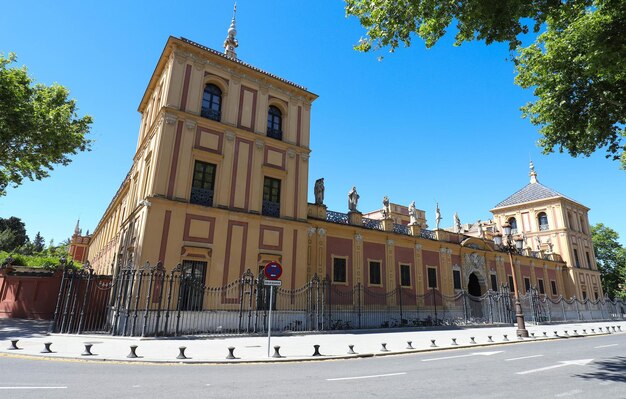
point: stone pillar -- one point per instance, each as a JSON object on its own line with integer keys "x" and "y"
{"x": 442, "y": 235}
{"x": 415, "y": 229}
{"x": 311, "y": 252}
{"x": 357, "y": 264}
{"x": 419, "y": 272}
{"x": 387, "y": 224}
{"x": 321, "y": 253}
{"x": 392, "y": 282}
{"x": 355, "y": 218}
{"x": 317, "y": 211}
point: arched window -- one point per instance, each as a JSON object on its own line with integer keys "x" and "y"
{"x": 212, "y": 102}
{"x": 513, "y": 223}
{"x": 542, "y": 218}
{"x": 274, "y": 123}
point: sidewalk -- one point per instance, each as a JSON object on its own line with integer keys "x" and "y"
{"x": 32, "y": 336}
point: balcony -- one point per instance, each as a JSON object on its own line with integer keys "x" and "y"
{"x": 275, "y": 133}
{"x": 211, "y": 114}
{"x": 271, "y": 209}
{"x": 201, "y": 196}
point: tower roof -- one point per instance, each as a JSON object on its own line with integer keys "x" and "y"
{"x": 533, "y": 191}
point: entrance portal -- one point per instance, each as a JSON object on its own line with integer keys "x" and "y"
{"x": 473, "y": 287}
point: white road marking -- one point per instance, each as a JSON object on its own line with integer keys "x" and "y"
{"x": 136, "y": 386}
{"x": 604, "y": 346}
{"x": 208, "y": 385}
{"x": 33, "y": 387}
{"x": 580, "y": 362}
{"x": 521, "y": 358}
{"x": 459, "y": 356}
{"x": 568, "y": 393}
{"x": 363, "y": 377}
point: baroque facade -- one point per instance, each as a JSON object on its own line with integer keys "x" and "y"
{"x": 219, "y": 184}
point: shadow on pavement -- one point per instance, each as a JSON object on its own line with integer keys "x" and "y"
{"x": 608, "y": 370}
{"x": 22, "y": 328}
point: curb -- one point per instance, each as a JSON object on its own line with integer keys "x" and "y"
{"x": 141, "y": 361}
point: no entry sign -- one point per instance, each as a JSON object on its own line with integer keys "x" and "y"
{"x": 273, "y": 270}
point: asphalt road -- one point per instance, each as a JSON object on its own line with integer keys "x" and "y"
{"x": 589, "y": 367}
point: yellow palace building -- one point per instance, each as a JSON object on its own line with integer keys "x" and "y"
{"x": 220, "y": 180}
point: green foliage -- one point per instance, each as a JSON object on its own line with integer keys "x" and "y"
{"x": 39, "y": 126}
{"x": 12, "y": 233}
{"x": 611, "y": 259}
{"x": 577, "y": 66}
{"x": 39, "y": 243}
{"x": 578, "y": 71}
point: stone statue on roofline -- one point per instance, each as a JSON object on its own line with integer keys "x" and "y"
{"x": 319, "y": 191}
{"x": 437, "y": 217}
{"x": 386, "y": 208}
{"x": 457, "y": 223}
{"x": 353, "y": 200}
{"x": 412, "y": 214}
{"x": 481, "y": 232}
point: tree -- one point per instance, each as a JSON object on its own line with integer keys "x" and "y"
{"x": 576, "y": 66}
{"x": 12, "y": 233}
{"x": 611, "y": 260}
{"x": 39, "y": 126}
{"x": 39, "y": 242}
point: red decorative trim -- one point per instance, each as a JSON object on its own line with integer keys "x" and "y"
{"x": 188, "y": 237}
{"x": 199, "y": 131}
{"x": 229, "y": 234}
{"x": 295, "y": 197}
{"x": 164, "y": 236}
{"x": 183, "y": 100}
{"x": 248, "y": 177}
{"x": 174, "y": 166}
{"x": 262, "y": 229}
{"x": 266, "y": 151}
{"x": 253, "y": 116}
{"x": 294, "y": 258}
{"x": 299, "y": 128}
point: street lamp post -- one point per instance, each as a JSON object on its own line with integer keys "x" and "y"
{"x": 513, "y": 245}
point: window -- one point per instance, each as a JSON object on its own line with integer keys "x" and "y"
{"x": 375, "y": 273}
{"x": 584, "y": 295}
{"x": 212, "y": 102}
{"x": 543, "y": 221}
{"x": 511, "y": 285}
{"x": 542, "y": 289}
{"x": 271, "y": 197}
{"x": 527, "y": 284}
{"x": 570, "y": 219}
{"x": 203, "y": 183}
{"x": 339, "y": 270}
{"x": 432, "y": 277}
{"x": 192, "y": 285}
{"x": 274, "y": 123}
{"x": 456, "y": 278}
{"x": 513, "y": 223}
{"x": 588, "y": 259}
{"x": 494, "y": 283}
{"x": 553, "y": 286}
{"x": 405, "y": 275}
{"x": 582, "y": 225}
{"x": 595, "y": 295}
{"x": 576, "y": 261}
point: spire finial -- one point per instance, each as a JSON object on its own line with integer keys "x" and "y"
{"x": 77, "y": 228}
{"x": 230, "y": 44}
{"x": 532, "y": 174}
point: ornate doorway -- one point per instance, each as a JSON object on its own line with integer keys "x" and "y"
{"x": 473, "y": 286}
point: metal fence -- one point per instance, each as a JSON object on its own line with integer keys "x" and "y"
{"x": 148, "y": 301}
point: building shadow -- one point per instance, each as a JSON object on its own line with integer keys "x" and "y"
{"x": 23, "y": 328}
{"x": 608, "y": 370}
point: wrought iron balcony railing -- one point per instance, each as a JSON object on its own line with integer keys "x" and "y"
{"x": 271, "y": 209}
{"x": 275, "y": 133}
{"x": 211, "y": 114}
{"x": 544, "y": 227}
{"x": 201, "y": 196}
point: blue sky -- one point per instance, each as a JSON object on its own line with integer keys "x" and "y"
{"x": 426, "y": 125}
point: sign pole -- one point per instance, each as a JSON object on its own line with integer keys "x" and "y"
{"x": 269, "y": 323}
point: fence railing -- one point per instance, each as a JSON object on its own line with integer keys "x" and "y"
{"x": 148, "y": 301}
